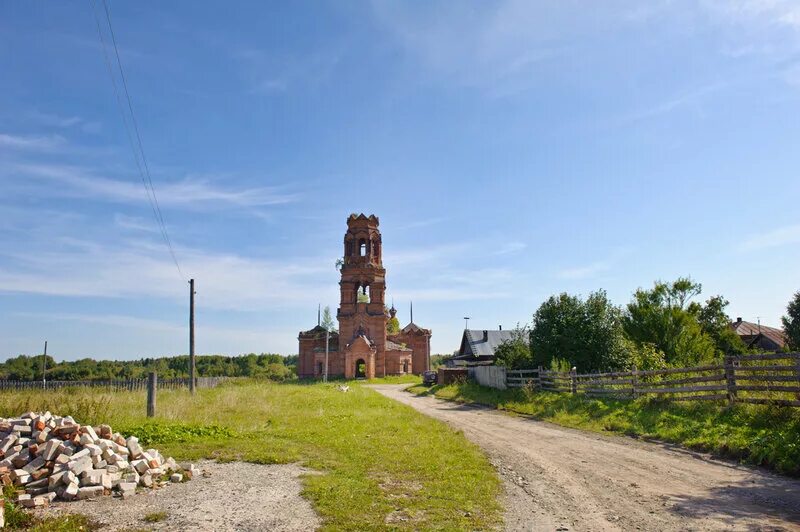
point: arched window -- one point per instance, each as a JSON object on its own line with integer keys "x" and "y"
{"x": 348, "y": 248}
{"x": 405, "y": 366}
{"x": 363, "y": 295}
{"x": 362, "y": 248}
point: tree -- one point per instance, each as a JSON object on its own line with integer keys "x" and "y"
{"x": 660, "y": 317}
{"x": 791, "y": 322}
{"x": 327, "y": 320}
{"x": 717, "y": 324}
{"x": 515, "y": 353}
{"x": 587, "y": 334}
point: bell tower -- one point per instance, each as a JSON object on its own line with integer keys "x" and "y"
{"x": 363, "y": 284}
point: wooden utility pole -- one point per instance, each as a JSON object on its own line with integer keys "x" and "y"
{"x": 191, "y": 337}
{"x": 152, "y": 387}
{"x": 44, "y": 366}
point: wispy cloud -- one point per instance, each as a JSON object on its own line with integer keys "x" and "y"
{"x": 496, "y": 46}
{"x": 270, "y": 72}
{"x": 782, "y": 236}
{"x": 142, "y": 269}
{"x": 65, "y": 122}
{"x": 135, "y": 223}
{"x": 190, "y": 193}
{"x": 692, "y": 99}
{"x": 593, "y": 269}
{"x": 42, "y": 143}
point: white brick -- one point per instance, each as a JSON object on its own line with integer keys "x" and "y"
{"x": 90, "y": 491}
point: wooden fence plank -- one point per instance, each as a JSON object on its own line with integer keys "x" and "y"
{"x": 766, "y": 368}
{"x": 770, "y": 356}
{"x": 684, "y": 389}
{"x": 768, "y": 378}
{"x": 767, "y": 388}
{"x": 688, "y": 380}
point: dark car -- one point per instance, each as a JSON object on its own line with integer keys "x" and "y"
{"x": 429, "y": 378}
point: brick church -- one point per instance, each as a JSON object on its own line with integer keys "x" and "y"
{"x": 362, "y": 348}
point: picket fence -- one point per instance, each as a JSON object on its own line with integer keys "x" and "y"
{"x": 758, "y": 379}
{"x": 115, "y": 385}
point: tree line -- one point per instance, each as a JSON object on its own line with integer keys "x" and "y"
{"x": 660, "y": 327}
{"x": 265, "y": 365}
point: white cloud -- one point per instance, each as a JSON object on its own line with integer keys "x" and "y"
{"x": 593, "y": 269}
{"x": 135, "y": 223}
{"x": 65, "y": 122}
{"x": 190, "y": 193}
{"x": 143, "y": 269}
{"x": 270, "y": 72}
{"x": 781, "y": 236}
{"x": 43, "y": 143}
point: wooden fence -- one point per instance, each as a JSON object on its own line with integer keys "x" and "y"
{"x": 759, "y": 379}
{"x": 115, "y": 385}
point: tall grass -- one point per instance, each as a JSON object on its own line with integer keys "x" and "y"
{"x": 384, "y": 464}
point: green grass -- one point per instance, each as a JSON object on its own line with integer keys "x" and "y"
{"x": 755, "y": 434}
{"x": 384, "y": 465}
{"x": 155, "y": 517}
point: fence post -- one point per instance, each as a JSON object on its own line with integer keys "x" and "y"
{"x": 635, "y": 382}
{"x": 730, "y": 379}
{"x": 573, "y": 380}
{"x": 152, "y": 385}
{"x": 539, "y": 383}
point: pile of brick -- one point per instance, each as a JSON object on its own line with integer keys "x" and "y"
{"x": 48, "y": 457}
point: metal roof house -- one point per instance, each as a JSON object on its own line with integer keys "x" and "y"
{"x": 478, "y": 346}
{"x": 762, "y": 337}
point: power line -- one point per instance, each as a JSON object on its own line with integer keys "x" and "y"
{"x": 142, "y": 166}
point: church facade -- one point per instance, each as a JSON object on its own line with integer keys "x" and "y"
{"x": 362, "y": 348}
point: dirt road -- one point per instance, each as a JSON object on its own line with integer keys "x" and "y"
{"x": 563, "y": 479}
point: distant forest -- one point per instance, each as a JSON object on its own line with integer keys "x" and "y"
{"x": 265, "y": 365}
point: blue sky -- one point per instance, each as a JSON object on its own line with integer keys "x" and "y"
{"x": 512, "y": 150}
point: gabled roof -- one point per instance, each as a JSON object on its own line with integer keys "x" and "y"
{"x": 748, "y": 330}
{"x": 480, "y": 343}
{"x": 391, "y": 346}
{"x": 414, "y": 328}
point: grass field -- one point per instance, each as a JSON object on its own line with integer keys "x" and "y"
{"x": 384, "y": 465}
{"x": 761, "y": 435}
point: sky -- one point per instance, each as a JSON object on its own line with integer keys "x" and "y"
{"x": 511, "y": 149}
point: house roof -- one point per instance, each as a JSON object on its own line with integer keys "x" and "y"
{"x": 481, "y": 343}
{"x": 392, "y": 346}
{"x": 749, "y": 330}
{"x": 413, "y": 327}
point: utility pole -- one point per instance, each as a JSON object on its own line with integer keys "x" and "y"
{"x": 466, "y": 322}
{"x": 44, "y": 366}
{"x": 191, "y": 337}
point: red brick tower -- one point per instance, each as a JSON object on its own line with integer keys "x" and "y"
{"x": 361, "y": 314}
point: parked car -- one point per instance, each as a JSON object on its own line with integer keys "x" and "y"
{"x": 429, "y": 378}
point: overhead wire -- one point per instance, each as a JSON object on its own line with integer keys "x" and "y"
{"x": 138, "y": 154}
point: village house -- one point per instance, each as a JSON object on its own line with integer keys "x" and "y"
{"x": 362, "y": 348}
{"x": 760, "y": 337}
{"x": 478, "y": 346}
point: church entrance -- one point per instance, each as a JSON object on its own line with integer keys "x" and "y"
{"x": 361, "y": 369}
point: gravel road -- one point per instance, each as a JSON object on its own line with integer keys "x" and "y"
{"x": 233, "y": 496}
{"x": 564, "y": 479}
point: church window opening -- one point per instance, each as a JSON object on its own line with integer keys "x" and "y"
{"x": 362, "y": 248}
{"x": 363, "y": 294}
